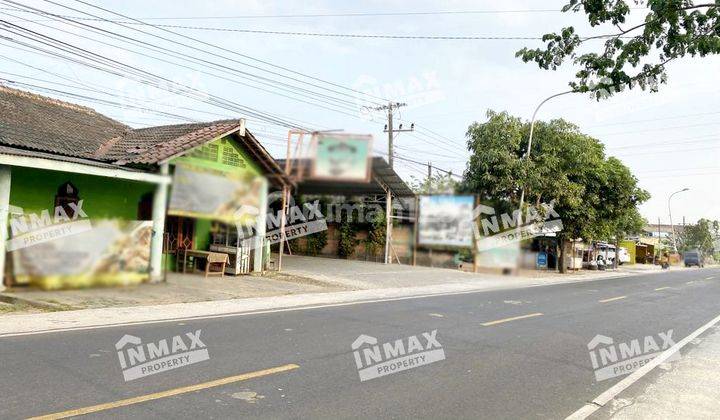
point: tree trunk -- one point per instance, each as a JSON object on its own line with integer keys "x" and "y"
{"x": 561, "y": 259}
{"x": 617, "y": 252}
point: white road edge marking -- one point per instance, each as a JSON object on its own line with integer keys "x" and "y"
{"x": 607, "y": 396}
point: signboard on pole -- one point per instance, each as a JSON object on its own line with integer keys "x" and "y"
{"x": 542, "y": 260}
{"x": 344, "y": 157}
{"x": 446, "y": 220}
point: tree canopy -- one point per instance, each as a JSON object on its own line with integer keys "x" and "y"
{"x": 442, "y": 183}
{"x": 595, "y": 196}
{"x": 635, "y": 53}
{"x": 701, "y": 236}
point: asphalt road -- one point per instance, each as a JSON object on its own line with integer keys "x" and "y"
{"x": 534, "y": 367}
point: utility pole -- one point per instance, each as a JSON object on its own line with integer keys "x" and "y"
{"x": 672, "y": 228}
{"x": 659, "y": 239}
{"x": 390, "y": 129}
{"x": 429, "y": 178}
{"x": 429, "y": 191}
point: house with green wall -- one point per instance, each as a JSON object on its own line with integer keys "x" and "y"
{"x": 86, "y": 197}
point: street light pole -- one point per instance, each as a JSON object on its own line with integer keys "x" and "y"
{"x": 530, "y": 139}
{"x": 672, "y": 228}
{"x": 527, "y": 156}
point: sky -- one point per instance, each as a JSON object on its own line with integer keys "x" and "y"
{"x": 668, "y": 139}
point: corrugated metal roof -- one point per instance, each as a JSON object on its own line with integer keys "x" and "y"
{"x": 380, "y": 170}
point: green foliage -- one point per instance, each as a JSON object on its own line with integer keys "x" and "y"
{"x": 701, "y": 235}
{"x": 348, "y": 240}
{"x": 316, "y": 242}
{"x": 376, "y": 234}
{"x": 596, "y": 197}
{"x": 436, "y": 184}
{"x": 633, "y": 55}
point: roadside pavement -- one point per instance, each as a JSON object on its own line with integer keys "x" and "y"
{"x": 179, "y": 288}
{"x": 300, "y": 275}
{"x": 449, "y": 282}
{"x": 686, "y": 389}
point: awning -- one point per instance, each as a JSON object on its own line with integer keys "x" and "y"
{"x": 381, "y": 173}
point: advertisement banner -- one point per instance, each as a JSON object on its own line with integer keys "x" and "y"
{"x": 112, "y": 252}
{"x": 200, "y": 192}
{"x": 446, "y": 220}
{"x": 342, "y": 157}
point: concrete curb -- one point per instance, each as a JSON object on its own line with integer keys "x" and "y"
{"x": 28, "y": 324}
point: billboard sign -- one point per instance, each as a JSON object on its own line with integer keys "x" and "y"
{"x": 201, "y": 192}
{"x": 113, "y": 252}
{"x": 342, "y": 156}
{"x": 446, "y": 220}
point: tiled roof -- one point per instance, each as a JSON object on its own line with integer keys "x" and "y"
{"x": 155, "y": 144}
{"x": 35, "y": 122}
{"x": 35, "y": 125}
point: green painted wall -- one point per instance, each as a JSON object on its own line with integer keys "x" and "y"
{"x": 103, "y": 198}
{"x": 224, "y": 154}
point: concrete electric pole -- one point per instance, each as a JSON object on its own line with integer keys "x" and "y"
{"x": 390, "y": 129}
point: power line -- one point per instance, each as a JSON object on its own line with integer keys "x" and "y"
{"x": 213, "y": 46}
{"x": 347, "y": 35}
{"x": 357, "y": 14}
{"x": 140, "y": 75}
{"x": 342, "y": 103}
{"x": 672, "y": 151}
{"x": 657, "y": 129}
{"x": 704, "y": 138}
{"x": 674, "y": 117}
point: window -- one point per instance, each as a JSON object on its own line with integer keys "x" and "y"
{"x": 67, "y": 194}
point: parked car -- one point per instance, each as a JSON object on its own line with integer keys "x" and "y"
{"x": 694, "y": 258}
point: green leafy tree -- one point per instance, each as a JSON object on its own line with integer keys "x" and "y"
{"x": 635, "y": 53}
{"x": 701, "y": 236}
{"x": 437, "y": 184}
{"x": 565, "y": 167}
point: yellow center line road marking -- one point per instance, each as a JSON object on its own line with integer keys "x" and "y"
{"x": 168, "y": 393}
{"x": 611, "y": 299}
{"x": 662, "y": 288}
{"x": 500, "y": 321}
